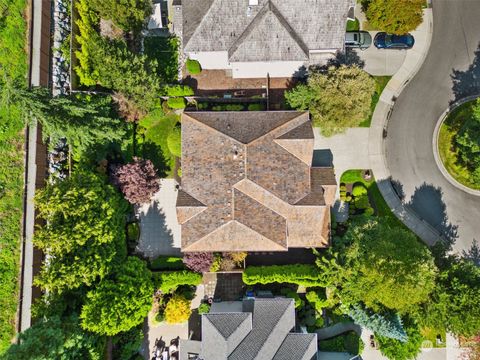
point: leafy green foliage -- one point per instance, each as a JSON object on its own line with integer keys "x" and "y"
{"x": 337, "y": 98}
{"x": 204, "y": 308}
{"x": 468, "y": 143}
{"x": 127, "y": 344}
{"x": 84, "y": 231}
{"x": 177, "y": 309}
{"x": 165, "y": 51}
{"x": 179, "y": 90}
{"x": 126, "y": 14}
{"x": 56, "y": 338}
{"x": 395, "y": 16}
{"x": 398, "y": 350}
{"x": 359, "y": 190}
{"x": 348, "y": 342}
{"x": 388, "y": 325}
{"x": 176, "y": 103}
{"x": 84, "y": 120}
{"x": 119, "y": 302}
{"x": 382, "y": 266}
{"x": 300, "y": 274}
{"x": 167, "y": 263}
{"x": 169, "y": 281}
{"x": 455, "y": 303}
{"x": 289, "y": 293}
{"x": 193, "y": 67}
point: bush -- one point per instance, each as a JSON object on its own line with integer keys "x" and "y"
{"x": 289, "y": 293}
{"x": 256, "y": 107}
{"x": 362, "y": 202}
{"x": 359, "y": 190}
{"x": 369, "y": 211}
{"x": 237, "y": 257}
{"x": 167, "y": 263}
{"x": 176, "y": 103}
{"x": 299, "y": 274}
{"x": 343, "y": 188}
{"x": 204, "y": 308}
{"x": 198, "y": 261}
{"x": 227, "y": 264}
{"x": 398, "y": 350}
{"x": 395, "y": 16}
{"x": 169, "y": 281}
{"x": 193, "y": 67}
{"x": 133, "y": 232}
{"x": 138, "y": 180}
{"x": 177, "y": 310}
{"x": 178, "y": 90}
{"x": 217, "y": 261}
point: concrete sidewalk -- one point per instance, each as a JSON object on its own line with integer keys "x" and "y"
{"x": 376, "y": 147}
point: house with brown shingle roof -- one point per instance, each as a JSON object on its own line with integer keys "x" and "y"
{"x": 254, "y": 37}
{"x": 248, "y": 183}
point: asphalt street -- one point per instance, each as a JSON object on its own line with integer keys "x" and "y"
{"x": 450, "y": 72}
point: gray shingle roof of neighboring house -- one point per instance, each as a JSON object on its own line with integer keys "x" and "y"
{"x": 261, "y": 332}
{"x": 273, "y": 30}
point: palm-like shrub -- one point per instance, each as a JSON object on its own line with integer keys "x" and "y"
{"x": 138, "y": 180}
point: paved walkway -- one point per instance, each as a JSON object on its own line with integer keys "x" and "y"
{"x": 337, "y": 329}
{"x": 160, "y": 232}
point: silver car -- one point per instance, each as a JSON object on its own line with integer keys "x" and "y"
{"x": 358, "y": 39}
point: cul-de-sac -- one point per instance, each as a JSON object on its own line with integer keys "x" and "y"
{"x": 239, "y": 180}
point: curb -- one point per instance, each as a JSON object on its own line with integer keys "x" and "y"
{"x": 436, "y": 154}
{"x": 378, "y": 132}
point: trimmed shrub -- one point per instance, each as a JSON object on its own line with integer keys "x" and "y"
{"x": 177, "y": 310}
{"x": 169, "y": 281}
{"x": 176, "y": 103}
{"x": 359, "y": 190}
{"x": 204, "y": 308}
{"x": 256, "y": 107}
{"x": 369, "y": 211}
{"x": 348, "y": 198}
{"x": 343, "y": 188}
{"x": 167, "y": 263}
{"x": 193, "y": 67}
{"x": 178, "y": 90}
{"x": 299, "y": 274}
{"x": 362, "y": 202}
{"x": 198, "y": 261}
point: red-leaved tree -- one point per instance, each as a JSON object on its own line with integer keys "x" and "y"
{"x": 138, "y": 180}
{"x": 199, "y": 261}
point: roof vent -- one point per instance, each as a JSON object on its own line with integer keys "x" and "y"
{"x": 252, "y": 2}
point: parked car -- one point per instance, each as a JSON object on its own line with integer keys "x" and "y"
{"x": 358, "y": 39}
{"x": 389, "y": 41}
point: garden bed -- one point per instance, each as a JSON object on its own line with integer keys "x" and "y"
{"x": 449, "y": 151}
{"x": 381, "y": 82}
{"x": 349, "y": 342}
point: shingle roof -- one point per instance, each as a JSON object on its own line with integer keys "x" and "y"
{"x": 272, "y": 30}
{"x": 245, "y": 172}
{"x": 261, "y": 331}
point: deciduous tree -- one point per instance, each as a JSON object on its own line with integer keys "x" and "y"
{"x": 127, "y": 14}
{"x": 395, "y": 16}
{"x": 121, "y": 301}
{"x": 138, "y": 180}
{"x": 338, "y": 98}
{"x": 83, "y": 233}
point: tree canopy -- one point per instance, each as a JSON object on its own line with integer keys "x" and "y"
{"x": 467, "y": 142}
{"x": 398, "y": 350}
{"x": 338, "y": 98}
{"x": 84, "y": 230}
{"x": 382, "y": 267}
{"x": 56, "y": 338}
{"x": 455, "y": 303}
{"x": 121, "y": 301}
{"x": 395, "y": 16}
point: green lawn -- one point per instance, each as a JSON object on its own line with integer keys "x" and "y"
{"x": 446, "y": 145}
{"x": 13, "y": 68}
{"x": 152, "y": 137}
{"x": 381, "y": 82}
{"x": 165, "y": 51}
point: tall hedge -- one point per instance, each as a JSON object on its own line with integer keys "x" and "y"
{"x": 169, "y": 281}
{"x": 299, "y": 274}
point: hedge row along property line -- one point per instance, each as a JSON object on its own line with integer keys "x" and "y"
{"x": 299, "y": 274}
{"x": 169, "y": 281}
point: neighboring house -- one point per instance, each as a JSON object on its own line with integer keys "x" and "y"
{"x": 248, "y": 183}
{"x": 262, "y": 331}
{"x": 256, "y": 37}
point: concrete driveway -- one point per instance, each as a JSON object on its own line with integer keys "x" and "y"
{"x": 381, "y": 62}
{"x": 159, "y": 229}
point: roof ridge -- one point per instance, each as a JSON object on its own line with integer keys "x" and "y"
{"x": 212, "y": 128}
{"x": 198, "y": 27}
